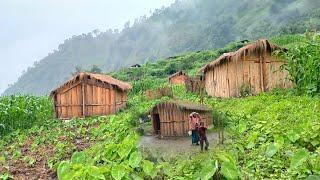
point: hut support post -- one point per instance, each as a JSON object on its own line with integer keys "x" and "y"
{"x": 83, "y": 101}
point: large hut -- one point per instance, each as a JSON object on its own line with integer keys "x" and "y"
{"x": 179, "y": 78}
{"x": 88, "y": 94}
{"x": 252, "y": 68}
{"x": 171, "y": 118}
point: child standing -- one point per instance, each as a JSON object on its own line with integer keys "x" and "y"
{"x": 203, "y": 137}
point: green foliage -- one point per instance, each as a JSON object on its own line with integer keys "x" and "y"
{"x": 95, "y": 69}
{"x": 23, "y": 112}
{"x": 274, "y": 135}
{"x": 304, "y": 65}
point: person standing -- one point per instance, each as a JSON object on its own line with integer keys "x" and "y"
{"x": 203, "y": 137}
{"x": 193, "y": 127}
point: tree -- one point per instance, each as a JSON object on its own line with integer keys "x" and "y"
{"x": 95, "y": 69}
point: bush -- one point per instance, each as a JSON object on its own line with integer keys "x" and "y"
{"x": 304, "y": 65}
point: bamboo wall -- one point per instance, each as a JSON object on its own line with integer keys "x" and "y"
{"x": 85, "y": 99}
{"x": 175, "y": 122}
{"x": 260, "y": 74}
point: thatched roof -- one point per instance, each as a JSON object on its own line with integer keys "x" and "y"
{"x": 179, "y": 73}
{"x": 99, "y": 78}
{"x": 184, "y": 105}
{"x": 259, "y": 47}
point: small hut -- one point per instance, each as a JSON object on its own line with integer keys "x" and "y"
{"x": 180, "y": 78}
{"x": 135, "y": 66}
{"x": 171, "y": 118}
{"x": 252, "y": 68}
{"x": 88, "y": 94}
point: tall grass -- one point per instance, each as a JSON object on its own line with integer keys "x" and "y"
{"x": 21, "y": 112}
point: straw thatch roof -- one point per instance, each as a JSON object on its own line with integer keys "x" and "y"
{"x": 98, "y": 78}
{"x": 183, "y": 105}
{"x": 179, "y": 73}
{"x": 259, "y": 47}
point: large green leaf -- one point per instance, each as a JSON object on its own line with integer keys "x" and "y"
{"x": 125, "y": 148}
{"x": 292, "y": 136}
{"x": 95, "y": 173}
{"x": 64, "y": 171}
{"x": 271, "y": 150}
{"x": 299, "y": 158}
{"x": 208, "y": 170}
{"x": 149, "y": 168}
{"x": 229, "y": 170}
{"x": 78, "y": 158}
{"x": 278, "y": 141}
{"x": 135, "y": 159}
{"x": 242, "y": 127}
{"x": 118, "y": 172}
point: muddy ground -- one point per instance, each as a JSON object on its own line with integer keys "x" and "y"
{"x": 174, "y": 146}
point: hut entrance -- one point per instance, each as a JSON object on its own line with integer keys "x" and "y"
{"x": 156, "y": 123}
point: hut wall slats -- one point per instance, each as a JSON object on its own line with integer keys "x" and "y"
{"x": 239, "y": 76}
{"x": 74, "y": 102}
{"x": 112, "y": 102}
{"x": 266, "y": 75}
{"x": 232, "y": 83}
{"x": 227, "y": 78}
{"x": 87, "y": 99}
{"x": 174, "y": 121}
{"x": 63, "y": 108}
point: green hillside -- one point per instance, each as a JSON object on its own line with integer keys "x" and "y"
{"x": 273, "y": 135}
{"x": 185, "y": 26}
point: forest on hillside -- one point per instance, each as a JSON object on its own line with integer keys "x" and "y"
{"x": 187, "y": 25}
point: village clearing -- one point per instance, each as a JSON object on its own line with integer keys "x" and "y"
{"x": 174, "y": 146}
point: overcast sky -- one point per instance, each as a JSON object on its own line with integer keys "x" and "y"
{"x": 30, "y": 29}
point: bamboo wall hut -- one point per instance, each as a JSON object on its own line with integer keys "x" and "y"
{"x": 180, "y": 78}
{"x": 253, "y": 67}
{"x": 171, "y": 118}
{"x": 88, "y": 94}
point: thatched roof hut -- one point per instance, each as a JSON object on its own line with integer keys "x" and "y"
{"x": 253, "y": 65}
{"x": 88, "y": 94}
{"x": 171, "y": 118}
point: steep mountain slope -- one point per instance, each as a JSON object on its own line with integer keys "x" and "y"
{"x": 187, "y": 25}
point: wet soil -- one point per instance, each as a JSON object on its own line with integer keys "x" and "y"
{"x": 174, "y": 146}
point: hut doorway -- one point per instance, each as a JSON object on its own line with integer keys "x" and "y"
{"x": 156, "y": 123}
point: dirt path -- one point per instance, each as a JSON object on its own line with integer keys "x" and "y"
{"x": 173, "y": 146}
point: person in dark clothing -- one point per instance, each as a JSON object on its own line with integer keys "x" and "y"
{"x": 203, "y": 137}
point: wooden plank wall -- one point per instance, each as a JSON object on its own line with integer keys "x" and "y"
{"x": 226, "y": 80}
{"x": 69, "y": 103}
{"x": 175, "y": 121}
{"x": 98, "y": 101}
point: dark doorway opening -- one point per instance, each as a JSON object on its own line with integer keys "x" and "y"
{"x": 156, "y": 123}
